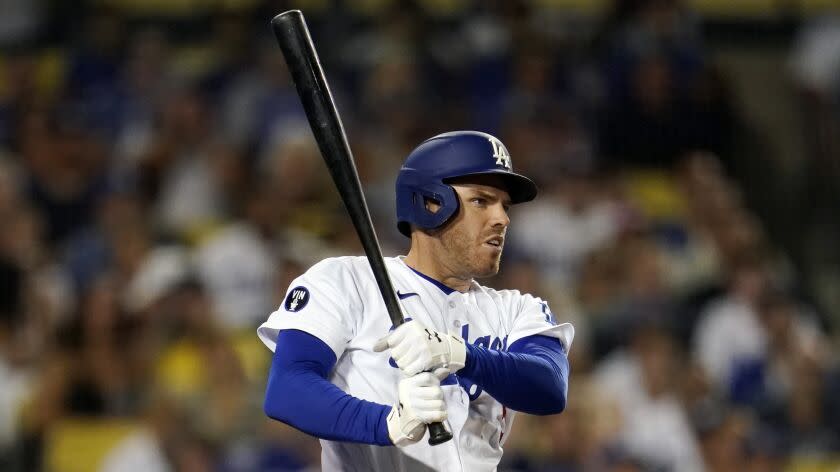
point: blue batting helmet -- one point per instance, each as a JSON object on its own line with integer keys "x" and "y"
{"x": 429, "y": 167}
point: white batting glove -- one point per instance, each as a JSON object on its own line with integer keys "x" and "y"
{"x": 420, "y": 403}
{"x": 416, "y": 348}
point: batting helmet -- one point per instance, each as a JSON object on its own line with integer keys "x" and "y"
{"x": 428, "y": 169}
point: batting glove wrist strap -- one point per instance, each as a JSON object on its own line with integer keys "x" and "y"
{"x": 457, "y": 353}
{"x": 420, "y": 402}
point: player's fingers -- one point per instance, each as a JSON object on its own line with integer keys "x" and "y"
{"x": 430, "y": 393}
{"x": 429, "y": 405}
{"x": 402, "y": 351}
{"x": 441, "y": 373}
{"x": 381, "y": 344}
{"x": 402, "y": 331}
{"x": 432, "y": 411}
{"x": 393, "y": 338}
{"x": 412, "y": 383}
{"x": 426, "y": 379}
{"x": 413, "y": 367}
{"x": 419, "y": 361}
{"x": 438, "y": 416}
{"x": 411, "y": 364}
{"x": 414, "y": 328}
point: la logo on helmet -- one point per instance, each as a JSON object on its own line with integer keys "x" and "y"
{"x": 500, "y": 153}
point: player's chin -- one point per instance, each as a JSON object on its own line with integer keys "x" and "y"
{"x": 489, "y": 267}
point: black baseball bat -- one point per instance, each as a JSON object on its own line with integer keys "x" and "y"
{"x": 311, "y": 83}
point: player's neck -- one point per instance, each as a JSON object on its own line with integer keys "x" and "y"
{"x": 432, "y": 267}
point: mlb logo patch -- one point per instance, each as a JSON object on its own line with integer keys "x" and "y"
{"x": 297, "y": 298}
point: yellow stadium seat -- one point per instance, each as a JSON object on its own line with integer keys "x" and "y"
{"x": 819, "y": 6}
{"x": 805, "y": 464}
{"x": 50, "y": 66}
{"x": 735, "y": 8}
{"x": 81, "y": 444}
{"x": 656, "y": 194}
{"x": 181, "y": 370}
{"x": 593, "y": 7}
{"x": 50, "y": 71}
{"x": 253, "y": 355}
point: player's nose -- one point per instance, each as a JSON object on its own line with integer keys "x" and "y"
{"x": 499, "y": 216}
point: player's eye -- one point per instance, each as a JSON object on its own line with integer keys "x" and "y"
{"x": 479, "y": 201}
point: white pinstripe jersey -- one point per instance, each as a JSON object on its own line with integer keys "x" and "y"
{"x": 337, "y": 300}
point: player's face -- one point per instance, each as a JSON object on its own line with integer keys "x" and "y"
{"x": 473, "y": 240}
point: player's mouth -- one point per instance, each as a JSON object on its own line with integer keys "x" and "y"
{"x": 495, "y": 242}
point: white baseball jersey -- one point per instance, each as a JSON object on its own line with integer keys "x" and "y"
{"x": 337, "y": 300}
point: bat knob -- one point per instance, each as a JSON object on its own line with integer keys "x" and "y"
{"x": 438, "y": 434}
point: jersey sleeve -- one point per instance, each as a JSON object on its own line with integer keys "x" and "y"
{"x": 534, "y": 317}
{"x": 323, "y": 302}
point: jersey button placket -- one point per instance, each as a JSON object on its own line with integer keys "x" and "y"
{"x": 454, "y": 313}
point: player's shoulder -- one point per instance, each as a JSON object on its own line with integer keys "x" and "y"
{"x": 333, "y": 268}
{"x": 335, "y": 276}
{"x": 513, "y": 297}
{"x": 334, "y": 263}
{"x": 356, "y": 267}
{"x": 348, "y": 262}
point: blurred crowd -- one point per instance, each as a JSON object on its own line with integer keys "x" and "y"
{"x": 160, "y": 187}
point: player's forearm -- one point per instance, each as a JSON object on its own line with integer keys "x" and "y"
{"x": 299, "y": 394}
{"x": 532, "y": 377}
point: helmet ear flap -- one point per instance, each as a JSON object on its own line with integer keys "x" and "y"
{"x": 413, "y": 193}
{"x": 443, "y": 195}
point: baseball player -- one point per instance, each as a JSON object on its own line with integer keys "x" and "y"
{"x": 468, "y": 355}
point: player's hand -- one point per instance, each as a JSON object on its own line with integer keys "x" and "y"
{"x": 416, "y": 348}
{"x": 420, "y": 403}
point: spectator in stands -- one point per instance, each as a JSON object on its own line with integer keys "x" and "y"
{"x": 642, "y": 377}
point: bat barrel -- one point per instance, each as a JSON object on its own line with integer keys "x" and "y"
{"x": 308, "y": 76}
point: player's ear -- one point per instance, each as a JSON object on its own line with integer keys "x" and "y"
{"x": 431, "y": 204}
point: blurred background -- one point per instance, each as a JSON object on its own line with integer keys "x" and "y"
{"x": 159, "y": 189}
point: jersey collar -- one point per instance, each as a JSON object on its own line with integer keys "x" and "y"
{"x": 437, "y": 283}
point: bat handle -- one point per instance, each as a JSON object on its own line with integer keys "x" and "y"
{"x": 438, "y": 434}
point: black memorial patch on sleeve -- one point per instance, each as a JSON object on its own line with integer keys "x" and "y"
{"x": 297, "y": 299}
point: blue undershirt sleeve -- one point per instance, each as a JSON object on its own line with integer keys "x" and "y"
{"x": 531, "y": 377}
{"x": 299, "y": 394}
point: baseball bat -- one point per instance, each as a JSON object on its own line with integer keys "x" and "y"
{"x": 311, "y": 83}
